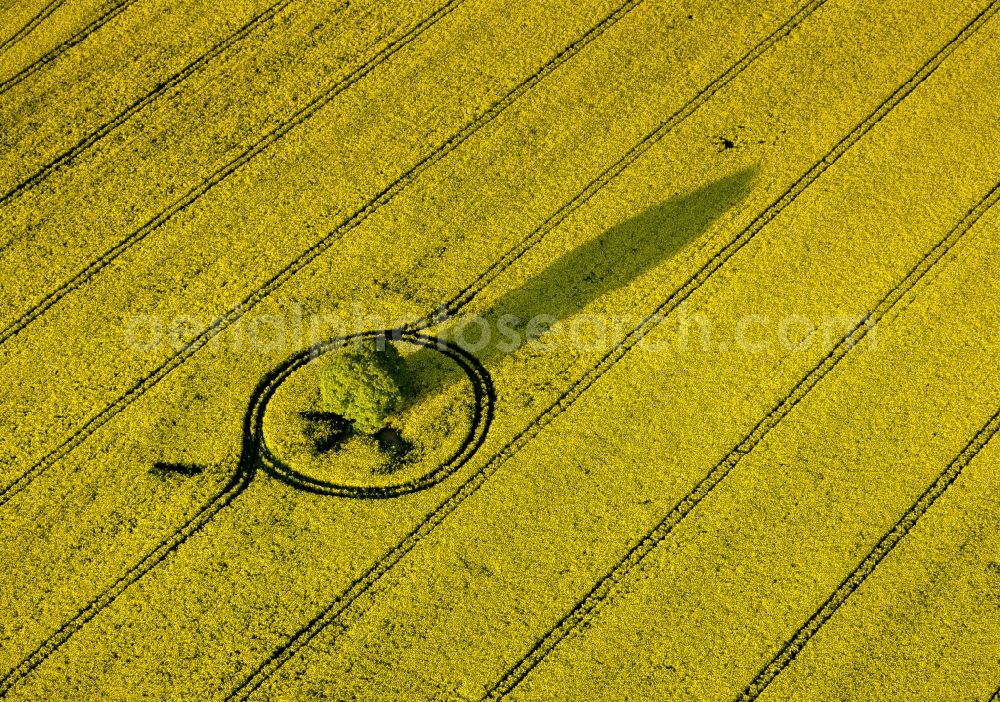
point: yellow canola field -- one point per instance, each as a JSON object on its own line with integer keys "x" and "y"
{"x": 932, "y": 605}
{"x": 566, "y": 508}
{"x": 160, "y": 433}
{"x": 235, "y": 257}
{"x": 743, "y": 574}
{"x": 169, "y": 166}
{"x": 793, "y": 164}
{"x": 90, "y": 59}
{"x": 34, "y": 32}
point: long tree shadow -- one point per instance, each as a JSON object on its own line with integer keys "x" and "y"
{"x": 608, "y": 262}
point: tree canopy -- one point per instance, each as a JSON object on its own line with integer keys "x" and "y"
{"x": 365, "y": 383}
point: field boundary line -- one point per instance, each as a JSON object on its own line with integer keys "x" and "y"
{"x": 237, "y": 484}
{"x": 30, "y": 26}
{"x": 65, "y": 45}
{"x": 262, "y": 144}
{"x": 367, "y": 580}
{"x": 601, "y": 593}
{"x": 282, "y": 276}
{"x": 162, "y": 87}
{"x": 867, "y": 566}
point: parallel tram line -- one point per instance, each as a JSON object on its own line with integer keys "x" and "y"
{"x": 69, "y": 155}
{"x": 262, "y": 144}
{"x": 245, "y": 471}
{"x": 867, "y": 566}
{"x": 65, "y": 45}
{"x": 642, "y": 146}
{"x": 224, "y": 498}
{"x": 252, "y": 457}
{"x": 588, "y": 606}
{"x": 601, "y": 593}
{"x": 31, "y": 25}
{"x": 361, "y": 585}
{"x": 239, "y": 483}
{"x": 380, "y": 200}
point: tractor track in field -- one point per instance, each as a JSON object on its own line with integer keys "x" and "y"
{"x": 243, "y": 475}
{"x": 69, "y": 155}
{"x": 65, "y": 45}
{"x": 300, "y": 117}
{"x": 452, "y": 306}
{"x": 483, "y": 392}
{"x": 254, "y": 456}
{"x": 602, "y": 592}
{"x": 192, "y": 526}
{"x": 471, "y": 485}
{"x": 867, "y": 566}
{"x": 30, "y": 26}
{"x": 374, "y": 204}
{"x": 238, "y": 484}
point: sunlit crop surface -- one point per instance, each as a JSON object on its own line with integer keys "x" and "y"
{"x": 498, "y": 349}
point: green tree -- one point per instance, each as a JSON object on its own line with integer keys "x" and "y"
{"x": 365, "y": 384}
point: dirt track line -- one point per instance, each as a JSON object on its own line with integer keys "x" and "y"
{"x": 305, "y": 258}
{"x": 70, "y": 154}
{"x": 65, "y": 45}
{"x": 388, "y": 194}
{"x": 237, "y": 483}
{"x": 301, "y": 116}
{"x": 30, "y": 26}
{"x": 137, "y": 390}
{"x": 93, "y": 608}
{"x": 483, "y": 392}
{"x": 597, "y": 184}
{"x": 252, "y": 458}
{"x": 367, "y": 580}
{"x": 586, "y": 608}
{"x": 225, "y": 497}
{"x": 243, "y": 476}
{"x": 883, "y": 548}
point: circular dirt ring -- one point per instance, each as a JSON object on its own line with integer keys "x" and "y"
{"x": 481, "y": 400}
